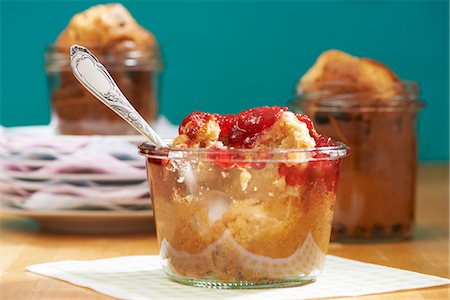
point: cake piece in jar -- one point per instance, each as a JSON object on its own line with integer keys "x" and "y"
{"x": 248, "y": 212}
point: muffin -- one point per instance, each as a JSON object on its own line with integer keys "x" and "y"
{"x": 364, "y": 104}
{"x": 127, "y": 50}
{"x": 337, "y": 72}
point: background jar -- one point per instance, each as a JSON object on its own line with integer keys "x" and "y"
{"x": 75, "y": 111}
{"x": 376, "y": 195}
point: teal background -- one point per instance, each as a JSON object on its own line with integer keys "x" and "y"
{"x": 225, "y": 56}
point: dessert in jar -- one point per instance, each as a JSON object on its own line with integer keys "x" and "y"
{"x": 127, "y": 50}
{"x": 365, "y": 105}
{"x": 245, "y": 200}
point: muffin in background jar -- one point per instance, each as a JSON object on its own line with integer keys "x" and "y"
{"x": 364, "y": 104}
{"x": 128, "y": 51}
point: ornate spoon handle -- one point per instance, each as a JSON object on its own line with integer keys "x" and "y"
{"x": 96, "y": 79}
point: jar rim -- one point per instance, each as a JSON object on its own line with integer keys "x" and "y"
{"x": 337, "y": 151}
{"x": 141, "y": 59}
{"x": 361, "y": 100}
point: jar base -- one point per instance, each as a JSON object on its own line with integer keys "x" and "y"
{"x": 359, "y": 240}
{"x": 213, "y": 283}
{"x": 373, "y": 233}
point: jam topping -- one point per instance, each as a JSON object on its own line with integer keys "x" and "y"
{"x": 241, "y": 130}
{"x": 225, "y": 158}
{"x": 197, "y": 120}
{"x": 322, "y": 172}
{"x": 307, "y": 120}
{"x": 238, "y": 130}
{"x": 323, "y": 141}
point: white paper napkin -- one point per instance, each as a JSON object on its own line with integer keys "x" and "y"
{"x": 141, "y": 277}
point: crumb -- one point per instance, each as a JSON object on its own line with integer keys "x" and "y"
{"x": 244, "y": 178}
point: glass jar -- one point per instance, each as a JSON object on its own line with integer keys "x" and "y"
{"x": 76, "y": 111}
{"x": 243, "y": 218}
{"x": 376, "y": 195}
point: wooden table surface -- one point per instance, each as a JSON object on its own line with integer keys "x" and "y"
{"x": 22, "y": 244}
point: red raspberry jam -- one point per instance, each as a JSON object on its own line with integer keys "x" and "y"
{"x": 305, "y": 119}
{"x": 241, "y": 130}
{"x": 238, "y": 130}
{"x": 322, "y": 172}
{"x": 323, "y": 141}
{"x": 225, "y": 158}
{"x": 198, "y": 119}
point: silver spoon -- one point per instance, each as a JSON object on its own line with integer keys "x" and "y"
{"x": 96, "y": 79}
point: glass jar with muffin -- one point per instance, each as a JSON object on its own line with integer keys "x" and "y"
{"x": 129, "y": 52}
{"x": 364, "y": 104}
{"x": 245, "y": 200}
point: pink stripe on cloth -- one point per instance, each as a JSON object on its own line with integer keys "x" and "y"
{"x": 89, "y": 162}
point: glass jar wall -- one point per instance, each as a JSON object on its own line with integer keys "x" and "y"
{"x": 76, "y": 111}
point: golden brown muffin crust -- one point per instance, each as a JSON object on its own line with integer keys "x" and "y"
{"x": 338, "y": 73}
{"x": 104, "y": 26}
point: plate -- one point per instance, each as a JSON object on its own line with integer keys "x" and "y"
{"x": 45, "y": 130}
{"x": 88, "y": 222}
{"x": 39, "y": 163}
{"x": 76, "y": 177}
{"x": 35, "y": 185}
{"x": 67, "y": 202}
